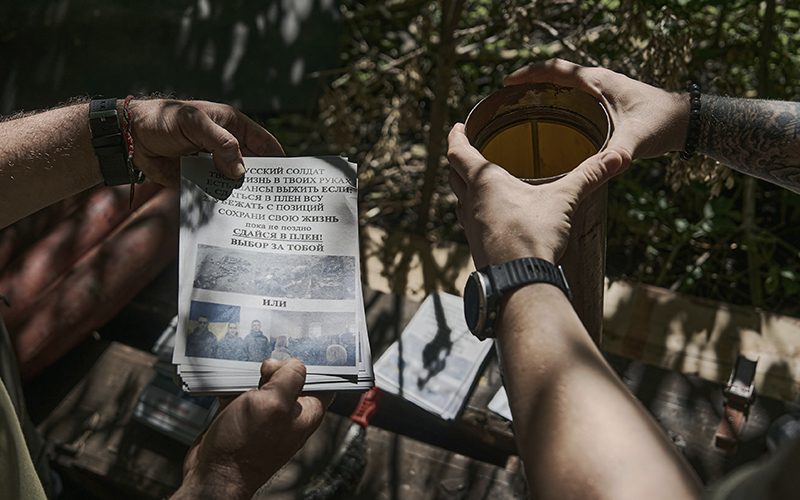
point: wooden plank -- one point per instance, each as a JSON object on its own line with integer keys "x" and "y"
{"x": 403, "y": 468}
{"x": 398, "y": 467}
{"x": 702, "y": 337}
{"x": 92, "y": 435}
{"x": 689, "y": 409}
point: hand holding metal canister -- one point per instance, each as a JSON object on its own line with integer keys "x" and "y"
{"x": 538, "y": 133}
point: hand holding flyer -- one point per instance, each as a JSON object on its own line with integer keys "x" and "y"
{"x": 269, "y": 268}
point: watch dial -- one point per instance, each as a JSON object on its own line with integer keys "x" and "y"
{"x": 471, "y": 304}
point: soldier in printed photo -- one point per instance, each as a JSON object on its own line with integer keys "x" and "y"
{"x": 201, "y": 343}
{"x": 232, "y": 346}
{"x": 256, "y": 344}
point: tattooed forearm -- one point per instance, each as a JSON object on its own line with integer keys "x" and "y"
{"x": 758, "y": 137}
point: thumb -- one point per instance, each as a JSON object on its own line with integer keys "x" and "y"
{"x": 288, "y": 375}
{"x": 268, "y": 369}
{"x": 594, "y": 172}
{"x": 624, "y": 146}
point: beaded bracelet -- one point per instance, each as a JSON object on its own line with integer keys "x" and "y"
{"x": 693, "y": 129}
{"x": 137, "y": 176}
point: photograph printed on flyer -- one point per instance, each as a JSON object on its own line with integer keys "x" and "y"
{"x": 290, "y": 276}
{"x": 234, "y": 333}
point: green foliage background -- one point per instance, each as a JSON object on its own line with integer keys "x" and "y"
{"x": 410, "y": 69}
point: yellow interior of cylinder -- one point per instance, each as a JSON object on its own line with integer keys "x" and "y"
{"x": 538, "y": 149}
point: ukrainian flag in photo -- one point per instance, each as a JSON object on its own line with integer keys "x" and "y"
{"x": 219, "y": 315}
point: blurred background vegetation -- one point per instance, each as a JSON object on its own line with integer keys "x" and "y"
{"x": 383, "y": 81}
{"x": 410, "y": 69}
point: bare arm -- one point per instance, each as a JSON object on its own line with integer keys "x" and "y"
{"x": 580, "y": 432}
{"x": 757, "y": 137}
{"x": 48, "y": 156}
{"x": 45, "y": 158}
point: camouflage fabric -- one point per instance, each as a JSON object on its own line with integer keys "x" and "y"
{"x": 258, "y": 346}
{"x": 201, "y": 344}
{"x": 232, "y": 348}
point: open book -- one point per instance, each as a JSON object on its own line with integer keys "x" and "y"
{"x": 269, "y": 268}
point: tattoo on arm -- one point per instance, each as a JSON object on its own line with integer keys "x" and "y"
{"x": 757, "y": 137}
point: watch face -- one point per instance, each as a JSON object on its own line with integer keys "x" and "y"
{"x": 477, "y": 294}
{"x": 472, "y": 302}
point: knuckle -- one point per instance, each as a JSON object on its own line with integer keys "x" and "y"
{"x": 249, "y": 403}
{"x": 453, "y": 155}
{"x": 627, "y": 156}
{"x": 282, "y": 408}
{"x": 488, "y": 177}
{"x": 317, "y": 413}
{"x": 272, "y": 403}
{"x": 595, "y": 79}
{"x": 185, "y": 111}
{"x": 229, "y": 144}
{"x": 268, "y": 367}
{"x": 454, "y": 151}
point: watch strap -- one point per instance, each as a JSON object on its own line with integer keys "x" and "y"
{"x": 527, "y": 270}
{"x": 485, "y": 288}
{"x": 107, "y": 141}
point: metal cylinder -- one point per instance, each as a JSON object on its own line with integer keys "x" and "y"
{"x": 540, "y": 132}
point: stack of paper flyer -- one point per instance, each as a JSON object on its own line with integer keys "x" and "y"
{"x": 436, "y": 360}
{"x": 269, "y": 268}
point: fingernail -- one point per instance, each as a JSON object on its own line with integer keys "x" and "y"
{"x": 238, "y": 170}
